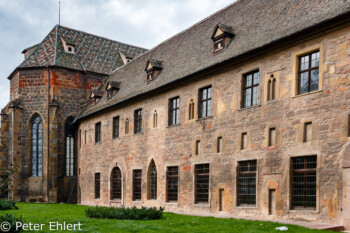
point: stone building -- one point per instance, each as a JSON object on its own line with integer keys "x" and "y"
{"x": 245, "y": 113}
{"x": 48, "y": 89}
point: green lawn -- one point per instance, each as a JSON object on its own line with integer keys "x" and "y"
{"x": 44, "y": 213}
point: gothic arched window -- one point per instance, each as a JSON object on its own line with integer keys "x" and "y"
{"x": 152, "y": 181}
{"x": 116, "y": 184}
{"x": 69, "y": 132}
{"x": 37, "y": 145}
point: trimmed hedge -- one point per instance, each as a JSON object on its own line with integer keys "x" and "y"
{"x": 11, "y": 219}
{"x": 125, "y": 213}
{"x": 7, "y": 204}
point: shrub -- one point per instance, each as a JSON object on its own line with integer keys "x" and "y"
{"x": 7, "y": 204}
{"x": 11, "y": 220}
{"x": 125, "y": 213}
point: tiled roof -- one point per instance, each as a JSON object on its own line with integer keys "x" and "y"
{"x": 257, "y": 24}
{"x": 92, "y": 53}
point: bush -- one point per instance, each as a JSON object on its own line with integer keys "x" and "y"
{"x": 11, "y": 220}
{"x": 125, "y": 213}
{"x": 7, "y": 204}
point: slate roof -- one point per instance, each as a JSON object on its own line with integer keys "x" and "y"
{"x": 256, "y": 24}
{"x": 92, "y": 53}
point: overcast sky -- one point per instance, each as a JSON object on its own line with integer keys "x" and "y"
{"x": 143, "y": 23}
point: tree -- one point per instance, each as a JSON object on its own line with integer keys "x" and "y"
{"x": 6, "y": 176}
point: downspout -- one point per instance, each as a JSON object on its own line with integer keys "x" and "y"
{"x": 48, "y": 133}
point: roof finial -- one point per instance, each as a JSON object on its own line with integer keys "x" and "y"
{"x": 59, "y": 12}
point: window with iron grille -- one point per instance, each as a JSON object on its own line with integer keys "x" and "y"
{"x": 138, "y": 121}
{"x": 174, "y": 109}
{"x": 251, "y": 89}
{"x": 116, "y": 184}
{"x": 98, "y": 132}
{"x": 136, "y": 184}
{"x": 246, "y": 183}
{"x": 97, "y": 185}
{"x": 202, "y": 183}
{"x": 308, "y": 72}
{"x": 116, "y": 127}
{"x": 172, "y": 183}
{"x": 205, "y": 95}
{"x": 303, "y": 182}
{"x": 152, "y": 181}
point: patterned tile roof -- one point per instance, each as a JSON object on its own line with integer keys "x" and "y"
{"x": 92, "y": 53}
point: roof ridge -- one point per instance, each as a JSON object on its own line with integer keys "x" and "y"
{"x": 105, "y": 38}
{"x": 39, "y": 45}
{"x": 179, "y": 33}
{"x": 54, "y": 61}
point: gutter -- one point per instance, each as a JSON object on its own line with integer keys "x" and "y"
{"x": 48, "y": 133}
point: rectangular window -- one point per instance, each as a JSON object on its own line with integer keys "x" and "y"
{"x": 308, "y": 72}
{"x": 202, "y": 183}
{"x": 79, "y": 138}
{"x": 251, "y": 89}
{"x": 303, "y": 182}
{"x": 348, "y": 125}
{"x": 85, "y": 136}
{"x": 136, "y": 184}
{"x": 116, "y": 127}
{"x": 205, "y": 95}
{"x": 308, "y": 132}
{"x": 272, "y": 136}
{"x": 198, "y": 147}
{"x": 244, "y": 141}
{"x": 97, "y": 185}
{"x": 126, "y": 127}
{"x": 172, "y": 177}
{"x": 246, "y": 183}
{"x": 174, "y": 109}
{"x": 98, "y": 132}
{"x": 138, "y": 121}
{"x": 219, "y": 145}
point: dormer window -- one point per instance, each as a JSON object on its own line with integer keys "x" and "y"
{"x": 112, "y": 88}
{"x": 68, "y": 47}
{"x": 153, "y": 69}
{"x": 95, "y": 96}
{"x": 222, "y": 36}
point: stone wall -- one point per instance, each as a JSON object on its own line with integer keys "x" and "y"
{"x": 29, "y": 96}
{"x": 328, "y": 109}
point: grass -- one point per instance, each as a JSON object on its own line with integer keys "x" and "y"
{"x": 44, "y": 213}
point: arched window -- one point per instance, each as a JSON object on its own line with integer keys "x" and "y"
{"x": 37, "y": 145}
{"x": 116, "y": 184}
{"x": 152, "y": 181}
{"x": 155, "y": 119}
{"x": 191, "y": 110}
{"x": 271, "y": 88}
{"x": 69, "y": 132}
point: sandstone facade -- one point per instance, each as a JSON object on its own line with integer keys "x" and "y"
{"x": 327, "y": 108}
